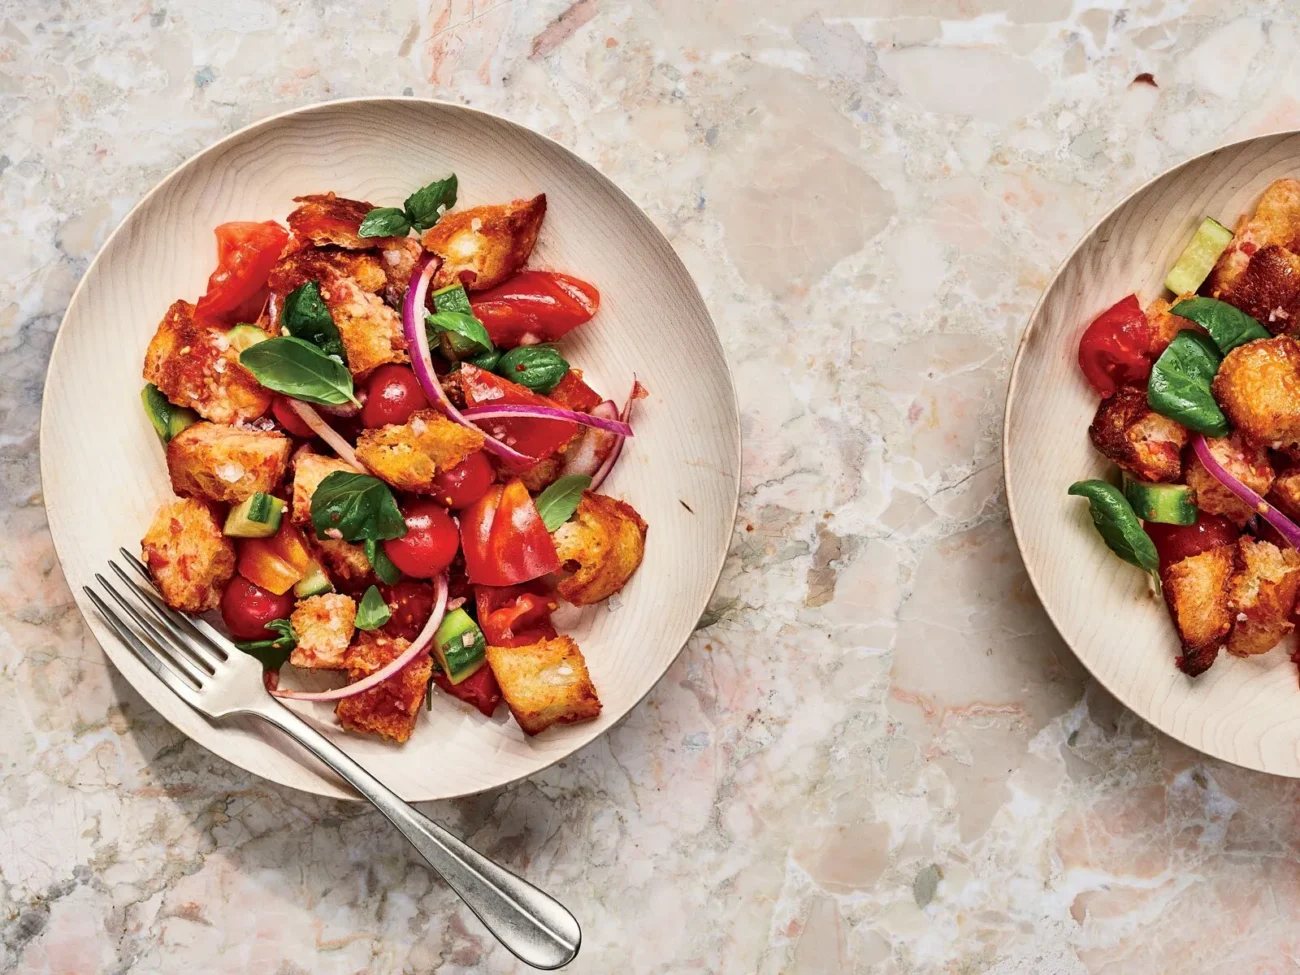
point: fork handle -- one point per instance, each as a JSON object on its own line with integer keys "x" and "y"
{"x": 534, "y": 926}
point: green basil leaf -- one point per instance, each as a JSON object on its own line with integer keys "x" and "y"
{"x": 487, "y": 361}
{"x": 382, "y": 565}
{"x": 539, "y": 367}
{"x": 558, "y": 502}
{"x": 307, "y": 318}
{"x": 373, "y": 611}
{"x": 299, "y": 369}
{"x": 384, "y": 222}
{"x": 425, "y": 206}
{"x": 1117, "y": 524}
{"x": 274, "y": 652}
{"x": 357, "y": 506}
{"x": 1179, "y": 387}
{"x": 1228, "y": 326}
{"x": 465, "y": 334}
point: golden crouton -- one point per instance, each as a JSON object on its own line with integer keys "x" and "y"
{"x": 398, "y": 260}
{"x": 322, "y": 265}
{"x": 1246, "y": 462}
{"x": 188, "y": 556}
{"x": 1196, "y": 590}
{"x": 324, "y": 626}
{"x": 1258, "y": 388}
{"x": 1285, "y": 493}
{"x": 1257, "y": 271}
{"x": 347, "y": 563}
{"x": 390, "y": 709}
{"x": 483, "y": 246}
{"x": 195, "y": 366}
{"x": 1268, "y": 290}
{"x": 308, "y": 471}
{"x": 606, "y": 538}
{"x": 545, "y": 683}
{"x": 1261, "y": 596}
{"x": 1165, "y": 324}
{"x": 222, "y": 463}
{"x": 408, "y": 455}
{"x": 325, "y": 218}
{"x": 370, "y": 330}
{"x": 1137, "y": 438}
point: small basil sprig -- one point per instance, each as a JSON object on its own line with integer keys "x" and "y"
{"x": 558, "y": 502}
{"x": 1228, "y": 326}
{"x": 461, "y": 336}
{"x": 422, "y": 210}
{"x": 539, "y": 367}
{"x": 1118, "y": 525}
{"x": 1179, "y": 387}
{"x": 382, "y": 565}
{"x": 306, "y": 317}
{"x": 274, "y": 652}
{"x": 299, "y": 369}
{"x": 373, "y": 611}
{"x": 358, "y": 507}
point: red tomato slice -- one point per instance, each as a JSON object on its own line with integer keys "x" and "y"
{"x": 515, "y": 616}
{"x": 237, "y": 289}
{"x": 536, "y": 438}
{"x": 573, "y": 394}
{"x": 1113, "y": 351}
{"x": 504, "y": 539}
{"x": 534, "y": 306}
{"x": 479, "y": 689}
{"x": 1177, "y": 542}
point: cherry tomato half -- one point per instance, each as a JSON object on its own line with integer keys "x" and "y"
{"x": 291, "y": 421}
{"x": 515, "y": 616}
{"x": 505, "y": 539}
{"x": 430, "y": 542}
{"x": 246, "y": 609}
{"x": 479, "y": 689}
{"x": 537, "y": 306}
{"x": 237, "y": 289}
{"x": 1177, "y": 542}
{"x": 411, "y": 603}
{"x": 392, "y": 395}
{"x": 1113, "y": 351}
{"x": 462, "y": 485}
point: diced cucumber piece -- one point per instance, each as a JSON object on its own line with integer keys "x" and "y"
{"x": 459, "y": 646}
{"x": 1169, "y": 504}
{"x": 167, "y": 418}
{"x": 313, "y": 583}
{"x": 257, "y": 516}
{"x": 1197, "y": 260}
{"x": 243, "y": 337}
{"x": 452, "y": 298}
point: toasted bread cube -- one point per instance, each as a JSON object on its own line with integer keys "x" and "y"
{"x": 196, "y": 367}
{"x": 483, "y": 246}
{"x": 1196, "y": 590}
{"x": 390, "y": 709}
{"x": 322, "y": 265}
{"x": 188, "y": 556}
{"x": 324, "y": 626}
{"x": 1256, "y": 271}
{"x": 398, "y": 260}
{"x": 606, "y": 538}
{"x": 1258, "y": 387}
{"x": 326, "y": 218}
{"x": 1268, "y": 290}
{"x": 308, "y": 471}
{"x": 1285, "y": 493}
{"x": 1261, "y": 596}
{"x": 1246, "y": 462}
{"x": 1137, "y": 438}
{"x": 228, "y": 464}
{"x": 545, "y": 683}
{"x": 347, "y": 563}
{"x": 408, "y": 455}
{"x": 370, "y": 330}
{"x": 1165, "y": 324}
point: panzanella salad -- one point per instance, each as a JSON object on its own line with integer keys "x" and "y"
{"x": 384, "y": 464}
{"x": 1201, "y": 411}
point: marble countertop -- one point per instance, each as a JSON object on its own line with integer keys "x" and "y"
{"x": 875, "y": 755}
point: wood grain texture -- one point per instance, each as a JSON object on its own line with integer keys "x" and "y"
{"x": 104, "y": 473}
{"x": 1244, "y": 711}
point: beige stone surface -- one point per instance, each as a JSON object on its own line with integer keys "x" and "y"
{"x": 874, "y": 755}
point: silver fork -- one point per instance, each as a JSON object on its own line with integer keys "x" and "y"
{"x": 215, "y": 678}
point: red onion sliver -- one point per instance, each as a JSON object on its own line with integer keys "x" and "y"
{"x": 326, "y": 433}
{"x": 508, "y": 410}
{"x": 393, "y": 666}
{"x": 1284, "y": 525}
{"x": 417, "y": 343}
{"x": 625, "y": 415}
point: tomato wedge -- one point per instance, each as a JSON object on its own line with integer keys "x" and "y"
{"x": 515, "y": 616}
{"x": 237, "y": 289}
{"x": 534, "y": 306}
{"x": 504, "y": 539}
{"x": 1114, "y": 349}
{"x": 275, "y": 563}
{"x": 536, "y": 438}
{"x": 479, "y": 689}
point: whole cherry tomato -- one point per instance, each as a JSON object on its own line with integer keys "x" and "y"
{"x": 246, "y": 609}
{"x": 237, "y": 289}
{"x": 462, "y": 485}
{"x": 290, "y": 420}
{"x": 411, "y": 604}
{"x": 479, "y": 689}
{"x": 1177, "y": 542}
{"x": 430, "y": 541}
{"x": 504, "y": 538}
{"x": 1114, "y": 349}
{"x": 534, "y": 306}
{"x": 392, "y": 395}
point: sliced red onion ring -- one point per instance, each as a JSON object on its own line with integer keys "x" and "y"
{"x": 625, "y": 415}
{"x": 417, "y": 343}
{"x": 510, "y": 410}
{"x": 420, "y": 645}
{"x": 326, "y": 433}
{"x": 1284, "y": 525}
{"x": 595, "y": 445}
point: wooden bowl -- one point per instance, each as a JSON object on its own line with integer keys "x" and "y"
{"x": 1245, "y": 711}
{"x": 104, "y": 472}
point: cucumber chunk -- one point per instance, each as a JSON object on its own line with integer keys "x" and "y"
{"x": 459, "y": 646}
{"x": 1168, "y": 504}
{"x": 452, "y": 298}
{"x": 257, "y": 516}
{"x": 313, "y": 583}
{"x": 243, "y": 337}
{"x": 167, "y": 418}
{"x": 1197, "y": 260}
